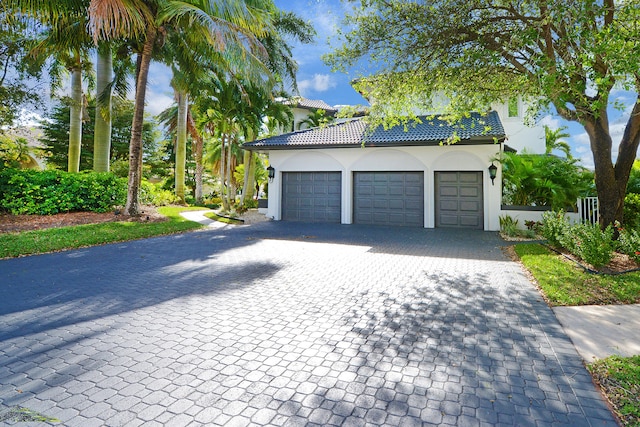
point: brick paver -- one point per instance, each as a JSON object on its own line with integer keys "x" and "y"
{"x": 288, "y": 324}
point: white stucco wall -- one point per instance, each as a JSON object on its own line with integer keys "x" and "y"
{"x": 520, "y": 136}
{"x": 425, "y": 159}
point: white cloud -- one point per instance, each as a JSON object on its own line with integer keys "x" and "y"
{"x": 318, "y": 83}
{"x": 551, "y": 121}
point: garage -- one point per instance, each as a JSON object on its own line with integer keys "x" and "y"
{"x": 311, "y": 196}
{"x": 388, "y": 198}
{"x": 459, "y": 200}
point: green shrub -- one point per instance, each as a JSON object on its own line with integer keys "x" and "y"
{"x": 629, "y": 242}
{"x": 509, "y": 226}
{"x": 151, "y": 194}
{"x": 554, "y": 227}
{"x": 631, "y": 214}
{"x": 50, "y": 192}
{"x": 590, "y": 243}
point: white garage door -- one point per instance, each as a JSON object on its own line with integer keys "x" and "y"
{"x": 459, "y": 200}
{"x": 388, "y": 198}
{"x": 311, "y": 196}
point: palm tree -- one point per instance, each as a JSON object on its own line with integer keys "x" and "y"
{"x": 222, "y": 24}
{"x": 102, "y": 130}
{"x": 553, "y": 141}
{"x": 316, "y": 118}
{"x": 68, "y": 43}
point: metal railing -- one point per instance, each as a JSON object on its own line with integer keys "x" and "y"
{"x": 588, "y": 210}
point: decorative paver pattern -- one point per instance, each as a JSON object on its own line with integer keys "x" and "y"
{"x": 289, "y": 324}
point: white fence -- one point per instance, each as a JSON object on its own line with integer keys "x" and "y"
{"x": 588, "y": 210}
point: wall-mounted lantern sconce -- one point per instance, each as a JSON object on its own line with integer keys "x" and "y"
{"x": 272, "y": 173}
{"x": 493, "y": 171}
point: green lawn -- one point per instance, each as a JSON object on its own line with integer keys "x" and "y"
{"x": 619, "y": 378}
{"x": 563, "y": 283}
{"x": 56, "y": 239}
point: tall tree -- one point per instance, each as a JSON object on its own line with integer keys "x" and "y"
{"x": 569, "y": 55}
{"x": 102, "y": 135}
{"x": 15, "y": 70}
{"x": 67, "y": 42}
{"x": 226, "y": 24}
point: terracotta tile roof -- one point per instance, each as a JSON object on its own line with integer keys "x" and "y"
{"x": 311, "y": 104}
{"x": 476, "y": 129}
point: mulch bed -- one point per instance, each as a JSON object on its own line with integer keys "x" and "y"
{"x": 15, "y": 223}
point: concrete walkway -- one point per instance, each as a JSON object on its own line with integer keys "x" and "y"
{"x": 602, "y": 331}
{"x": 289, "y": 324}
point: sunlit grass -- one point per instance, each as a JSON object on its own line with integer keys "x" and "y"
{"x": 565, "y": 284}
{"x": 55, "y": 239}
{"x": 619, "y": 378}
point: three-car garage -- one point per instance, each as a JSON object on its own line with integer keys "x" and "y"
{"x": 395, "y": 198}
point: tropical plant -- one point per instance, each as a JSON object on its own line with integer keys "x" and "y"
{"x": 537, "y": 180}
{"x": 554, "y": 227}
{"x": 553, "y": 141}
{"x": 315, "y": 119}
{"x": 634, "y": 179}
{"x": 17, "y": 68}
{"x": 55, "y": 131}
{"x": 567, "y": 54}
{"x": 16, "y": 153}
{"x": 67, "y": 42}
{"x": 232, "y": 27}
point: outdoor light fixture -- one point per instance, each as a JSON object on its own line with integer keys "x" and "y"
{"x": 272, "y": 173}
{"x": 493, "y": 170}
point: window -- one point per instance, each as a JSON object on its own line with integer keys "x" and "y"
{"x": 513, "y": 107}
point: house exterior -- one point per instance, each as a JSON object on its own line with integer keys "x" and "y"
{"x": 346, "y": 173}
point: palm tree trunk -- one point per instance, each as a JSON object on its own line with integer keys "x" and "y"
{"x": 102, "y": 134}
{"x": 75, "y": 121}
{"x": 231, "y": 193}
{"x": 199, "y": 168}
{"x": 181, "y": 144}
{"x": 198, "y": 146}
{"x": 135, "y": 146}
{"x": 249, "y": 171}
{"x": 225, "y": 200}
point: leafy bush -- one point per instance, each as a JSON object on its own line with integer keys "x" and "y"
{"x": 151, "y": 194}
{"x": 533, "y": 180}
{"x": 629, "y": 242}
{"x": 51, "y": 192}
{"x": 590, "y": 243}
{"x": 554, "y": 227}
{"x": 509, "y": 225}
{"x": 631, "y": 214}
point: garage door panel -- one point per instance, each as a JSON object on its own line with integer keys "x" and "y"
{"x": 469, "y": 177}
{"x": 449, "y": 205}
{"x": 470, "y": 221}
{"x": 469, "y": 191}
{"x": 448, "y": 177}
{"x": 459, "y": 199}
{"x": 448, "y": 191}
{"x": 311, "y": 196}
{"x": 469, "y": 206}
{"x": 389, "y": 198}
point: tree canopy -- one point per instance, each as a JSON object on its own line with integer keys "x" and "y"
{"x": 567, "y": 54}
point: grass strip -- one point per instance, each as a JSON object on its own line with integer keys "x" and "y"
{"x": 619, "y": 378}
{"x": 564, "y": 284}
{"x": 56, "y": 239}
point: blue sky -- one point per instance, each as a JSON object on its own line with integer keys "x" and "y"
{"x": 316, "y": 81}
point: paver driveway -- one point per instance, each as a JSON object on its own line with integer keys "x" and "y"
{"x": 288, "y": 324}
